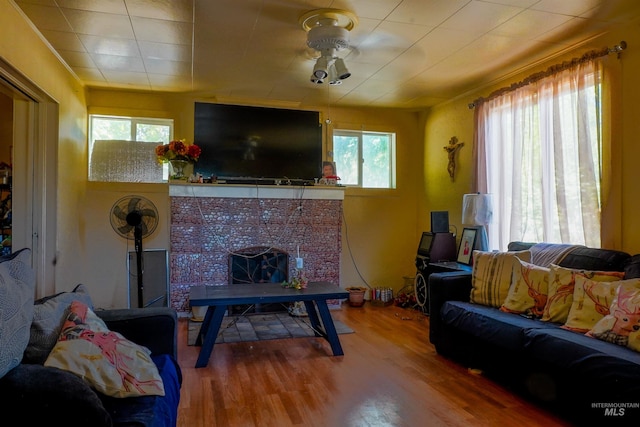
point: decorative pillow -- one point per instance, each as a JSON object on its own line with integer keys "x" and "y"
{"x": 112, "y": 364}
{"x": 49, "y": 313}
{"x": 561, "y": 285}
{"x": 622, "y": 325}
{"x": 528, "y": 290}
{"x": 491, "y": 276}
{"x": 17, "y": 285}
{"x": 591, "y": 302}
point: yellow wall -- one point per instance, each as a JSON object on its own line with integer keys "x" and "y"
{"x": 25, "y": 51}
{"x": 380, "y": 235}
{"x": 382, "y": 227}
{"x": 621, "y": 196}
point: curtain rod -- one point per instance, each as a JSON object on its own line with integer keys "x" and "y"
{"x": 589, "y": 56}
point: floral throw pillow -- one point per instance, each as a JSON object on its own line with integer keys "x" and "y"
{"x": 622, "y": 325}
{"x": 528, "y": 290}
{"x": 591, "y": 302}
{"x": 561, "y": 285}
{"x": 112, "y": 364}
{"x": 491, "y": 276}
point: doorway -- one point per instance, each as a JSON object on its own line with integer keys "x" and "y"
{"x": 33, "y": 138}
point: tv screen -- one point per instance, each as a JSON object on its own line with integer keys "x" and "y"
{"x": 257, "y": 142}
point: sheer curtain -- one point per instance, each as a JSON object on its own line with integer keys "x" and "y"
{"x": 538, "y": 152}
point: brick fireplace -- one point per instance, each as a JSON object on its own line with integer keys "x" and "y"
{"x": 210, "y": 222}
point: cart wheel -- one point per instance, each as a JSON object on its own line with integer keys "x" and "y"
{"x": 420, "y": 288}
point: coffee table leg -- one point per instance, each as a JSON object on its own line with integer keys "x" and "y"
{"x": 211, "y": 327}
{"x": 313, "y": 317}
{"x": 329, "y": 328}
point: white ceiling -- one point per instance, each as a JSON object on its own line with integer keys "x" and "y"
{"x": 404, "y": 54}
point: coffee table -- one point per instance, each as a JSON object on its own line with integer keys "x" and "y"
{"x": 218, "y": 297}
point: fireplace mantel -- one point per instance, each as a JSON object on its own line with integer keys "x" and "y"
{"x": 210, "y": 221}
{"x": 313, "y": 192}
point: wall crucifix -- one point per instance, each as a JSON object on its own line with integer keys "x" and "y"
{"x": 451, "y": 150}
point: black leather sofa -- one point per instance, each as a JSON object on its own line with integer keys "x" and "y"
{"x": 585, "y": 380}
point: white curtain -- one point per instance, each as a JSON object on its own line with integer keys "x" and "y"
{"x": 538, "y": 153}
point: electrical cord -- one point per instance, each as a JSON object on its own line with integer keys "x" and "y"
{"x": 346, "y": 233}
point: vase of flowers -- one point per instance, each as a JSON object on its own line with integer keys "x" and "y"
{"x": 180, "y": 155}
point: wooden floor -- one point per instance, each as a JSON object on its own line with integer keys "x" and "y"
{"x": 390, "y": 375}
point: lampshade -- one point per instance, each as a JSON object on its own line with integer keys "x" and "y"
{"x": 476, "y": 209}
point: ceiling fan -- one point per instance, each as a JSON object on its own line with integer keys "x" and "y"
{"x": 328, "y": 33}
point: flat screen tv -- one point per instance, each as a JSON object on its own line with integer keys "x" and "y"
{"x": 257, "y": 142}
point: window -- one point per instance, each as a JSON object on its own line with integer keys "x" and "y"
{"x": 122, "y": 149}
{"x": 365, "y": 159}
{"x": 539, "y": 149}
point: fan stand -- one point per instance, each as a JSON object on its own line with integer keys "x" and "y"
{"x": 135, "y": 220}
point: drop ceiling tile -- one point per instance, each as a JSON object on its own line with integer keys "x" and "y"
{"x": 89, "y": 74}
{"x": 479, "y": 17}
{"x": 567, "y": 7}
{"x": 110, "y": 46}
{"x": 404, "y": 67}
{"x": 45, "y": 17}
{"x": 376, "y": 9}
{"x": 77, "y": 59}
{"x": 169, "y": 83}
{"x": 169, "y": 68}
{"x": 172, "y": 52}
{"x": 431, "y": 13}
{"x": 106, "y": 6}
{"x": 172, "y": 32}
{"x": 99, "y": 23}
{"x": 118, "y": 63}
{"x": 62, "y": 40}
{"x": 174, "y": 10}
{"x": 442, "y": 42}
{"x": 518, "y": 3}
{"x": 576, "y": 30}
{"x": 530, "y": 24}
{"x": 393, "y": 37}
{"x": 126, "y": 78}
{"x": 51, "y": 3}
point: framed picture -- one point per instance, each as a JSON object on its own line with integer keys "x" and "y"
{"x": 467, "y": 242}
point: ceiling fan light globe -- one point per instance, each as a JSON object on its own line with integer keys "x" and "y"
{"x": 320, "y": 70}
{"x": 341, "y": 69}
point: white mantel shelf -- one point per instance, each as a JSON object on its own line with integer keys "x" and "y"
{"x": 315, "y": 192}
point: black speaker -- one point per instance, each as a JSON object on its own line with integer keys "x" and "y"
{"x": 443, "y": 248}
{"x": 440, "y": 221}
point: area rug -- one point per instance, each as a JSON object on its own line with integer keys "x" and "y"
{"x": 257, "y": 327}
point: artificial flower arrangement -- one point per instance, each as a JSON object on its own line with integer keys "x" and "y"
{"x": 299, "y": 281}
{"x": 178, "y": 149}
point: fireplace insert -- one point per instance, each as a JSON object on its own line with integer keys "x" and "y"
{"x": 258, "y": 265}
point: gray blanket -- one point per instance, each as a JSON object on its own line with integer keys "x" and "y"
{"x": 545, "y": 254}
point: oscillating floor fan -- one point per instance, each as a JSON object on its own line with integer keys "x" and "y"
{"x": 135, "y": 217}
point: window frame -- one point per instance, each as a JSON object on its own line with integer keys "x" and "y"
{"x": 134, "y": 121}
{"x": 360, "y": 135}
